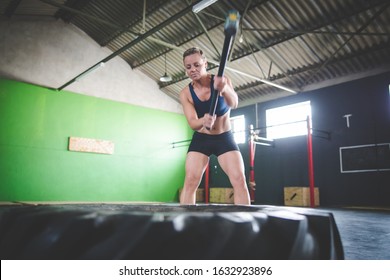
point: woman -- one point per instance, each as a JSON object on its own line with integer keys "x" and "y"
{"x": 212, "y": 133}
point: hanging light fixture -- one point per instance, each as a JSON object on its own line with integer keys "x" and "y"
{"x": 166, "y": 78}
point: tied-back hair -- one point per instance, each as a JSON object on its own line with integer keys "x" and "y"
{"x": 193, "y": 50}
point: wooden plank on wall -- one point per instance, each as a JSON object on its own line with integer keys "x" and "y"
{"x": 88, "y": 145}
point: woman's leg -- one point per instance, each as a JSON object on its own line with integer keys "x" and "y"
{"x": 233, "y": 165}
{"x": 196, "y": 164}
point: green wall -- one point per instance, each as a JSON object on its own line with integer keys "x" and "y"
{"x": 35, "y": 164}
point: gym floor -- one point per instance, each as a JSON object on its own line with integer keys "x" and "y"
{"x": 365, "y": 233}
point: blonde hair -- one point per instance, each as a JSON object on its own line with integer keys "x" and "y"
{"x": 193, "y": 50}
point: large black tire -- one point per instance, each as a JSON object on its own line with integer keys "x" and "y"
{"x": 166, "y": 231}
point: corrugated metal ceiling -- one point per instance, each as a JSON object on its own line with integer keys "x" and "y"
{"x": 302, "y": 44}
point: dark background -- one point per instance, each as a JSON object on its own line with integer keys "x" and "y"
{"x": 286, "y": 164}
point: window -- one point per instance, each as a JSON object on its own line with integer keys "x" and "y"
{"x": 238, "y": 128}
{"x": 288, "y": 121}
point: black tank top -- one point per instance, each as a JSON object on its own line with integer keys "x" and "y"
{"x": 203, "y": 107}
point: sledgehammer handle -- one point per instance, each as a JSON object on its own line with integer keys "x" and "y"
{"x": 230, "y": 29}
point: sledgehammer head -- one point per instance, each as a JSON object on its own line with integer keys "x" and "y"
{"x": 231, "y": 24}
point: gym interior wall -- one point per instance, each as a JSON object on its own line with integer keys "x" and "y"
{"x": 36, "y": 165}
{"x": 286, "y": 164}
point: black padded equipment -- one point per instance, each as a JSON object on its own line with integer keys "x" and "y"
{"x": 166, "y": 231}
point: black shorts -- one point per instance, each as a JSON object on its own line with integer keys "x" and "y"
{"x": 213, "y": 144}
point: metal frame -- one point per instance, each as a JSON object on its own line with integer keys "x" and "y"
{"x": 360, "y": 170}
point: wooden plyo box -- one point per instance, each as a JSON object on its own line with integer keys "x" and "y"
{"x": 300, "y": 196}
{"x": 221, "y": 195}
{"x": 199, "y": 194}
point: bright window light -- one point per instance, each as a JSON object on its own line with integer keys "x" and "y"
{"x": 238, "y": 128}
{"x": 288, "y": 121}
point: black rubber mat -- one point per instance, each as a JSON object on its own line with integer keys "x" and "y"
{"x": 166, "y": 231}
{"x": 365, "y": 233}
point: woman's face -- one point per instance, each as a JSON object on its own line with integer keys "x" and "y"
{"x": 195, "y": 66}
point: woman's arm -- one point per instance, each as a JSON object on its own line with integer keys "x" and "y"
{"x": 226, "y": 89}
{"x": 189, "y": 111}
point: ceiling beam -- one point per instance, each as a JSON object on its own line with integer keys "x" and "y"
{"x": 129, "y": 45}
{"x": 242, "y": 73}
{"x": 11, "y": 8}
{"x": 361, "y": 28}
{"x": 319, "y": 25}
{"x": 297, "y": 31}
{"x": 93, "y": 18}
{"x": 314, "y": 67}
{"x": 67, "y": 15}
{"x": 206, "y": 32}
{"x": 255, "y": 78}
